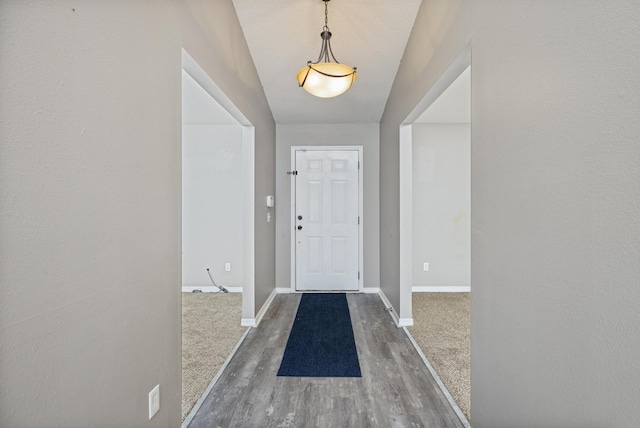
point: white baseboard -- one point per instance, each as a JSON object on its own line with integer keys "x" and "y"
{"x": 253, "y": 322}
{"x": 367, "y": 290}
{"x": 389, "y": 308}
{"x": 440, "y": 289}
{"x": 400, "y": 322}
{"x": 405, "y": 322}
{"x": 211, "y": 289}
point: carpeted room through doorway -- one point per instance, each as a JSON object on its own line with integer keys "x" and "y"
{"x": 442, "y": 329}
{"x": 210, "y": 330}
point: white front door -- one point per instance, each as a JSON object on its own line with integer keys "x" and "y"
{"x": 326, "y": 220}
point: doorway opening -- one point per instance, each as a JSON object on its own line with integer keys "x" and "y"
{"x": 435, "y": 181}
{"x": 327, "y": 218}
{"x": 217, "y": 159}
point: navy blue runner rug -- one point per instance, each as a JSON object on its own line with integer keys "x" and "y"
{"x": 321, "y": 342}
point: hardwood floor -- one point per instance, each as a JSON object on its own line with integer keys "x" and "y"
{"x": 395, "y": 390}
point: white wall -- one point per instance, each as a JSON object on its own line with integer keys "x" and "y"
{"x": 441, "y": 204}
{"x": 366, "y": 135}
{"x": 91, "y": 201}
{"x": 212, "y": 199}
{"x": 555, "y": 236}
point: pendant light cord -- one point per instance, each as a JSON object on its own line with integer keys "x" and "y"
{"x": 326, "y": 15}
{"x": 326, "y": 53}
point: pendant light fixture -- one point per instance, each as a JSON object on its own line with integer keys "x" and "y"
{"x": 324, "y": 78}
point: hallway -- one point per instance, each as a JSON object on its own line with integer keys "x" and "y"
{"x": 396, "y": 388}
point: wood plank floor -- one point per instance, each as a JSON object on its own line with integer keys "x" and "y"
{"x": 395, "y": 390}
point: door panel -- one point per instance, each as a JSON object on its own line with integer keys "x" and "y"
{"x": 326, "y": 227}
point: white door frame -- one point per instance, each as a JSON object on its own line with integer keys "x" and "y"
{"x": 359, "y": 149}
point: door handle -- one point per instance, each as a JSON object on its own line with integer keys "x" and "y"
{"x": 299, "y": 227}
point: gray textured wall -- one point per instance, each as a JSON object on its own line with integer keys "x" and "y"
{"x": 90, "y": 202}
{"x": 441, "y": 204}
{"x": 555, "y": 230}
{"x": 212, "y": 197}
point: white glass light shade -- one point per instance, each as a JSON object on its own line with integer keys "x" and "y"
{"x": 326, "y": 79}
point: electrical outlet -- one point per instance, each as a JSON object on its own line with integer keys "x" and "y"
{"x": 227, "y": 267}
{"x": 154, "y": 401}
{"x": 425, "y": 266}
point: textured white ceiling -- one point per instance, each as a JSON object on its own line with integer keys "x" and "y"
{"x": 369, "y": 34}
{"x": 200, "y": 108}
{"x": 454, "y": 105}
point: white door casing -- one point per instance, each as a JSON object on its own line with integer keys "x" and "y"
{"x": 327, "y": 219}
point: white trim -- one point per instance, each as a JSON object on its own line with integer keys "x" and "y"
{"x": 400, "y": 322}
{"x": 248, "y": 218}
{"x": 292, "y": 203}
{"x": 371, "y": 290}
{"x": 292, "y": 217}
{"x": 210, "y": 289}
{"x": 283, "y": 290}
{"x": 323, "y": 292}
{"x": 440, "y": 289}
{"x": 253, "y": 322}
{"x": 406, "y": 221}
{"x": 405, "y": 322}
{"x": 204, "y": 395}
{"x": 389, "y": 308}
{"x": 361, "y": 216}
{"x": 443, "y": 388}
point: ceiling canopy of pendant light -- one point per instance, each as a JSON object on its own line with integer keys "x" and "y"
{"x": 324, "y": 78}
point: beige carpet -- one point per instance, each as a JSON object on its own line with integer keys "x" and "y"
{"x": 210, "y": 330}
{"x": 442, "y": 328}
